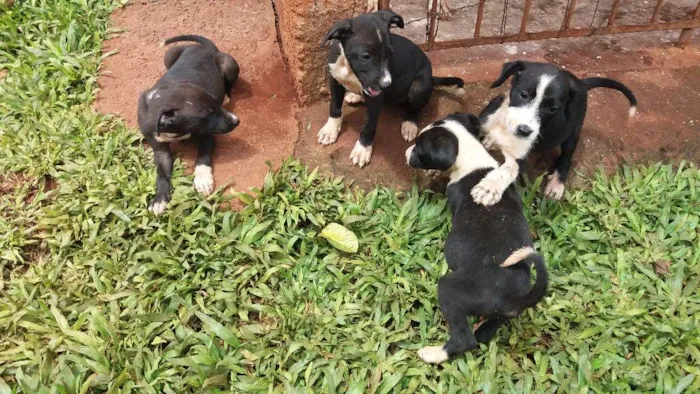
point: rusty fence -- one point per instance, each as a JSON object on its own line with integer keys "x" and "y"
{"x": 685, "y": 25}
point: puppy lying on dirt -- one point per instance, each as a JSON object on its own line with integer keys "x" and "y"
{"x": 489, "y": 249}
{"x": 186, "y": 103}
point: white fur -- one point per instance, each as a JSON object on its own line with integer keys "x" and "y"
{"x": 433, "y": 354}
{"x": 352, "y": 98}
{"x": 233, "y": 117}
{"x": 329, "y": 132}
{"x": 471, "y": 155}
{"x": 386, "y": 78}
{"x": 152, "y": 94}
{"x": 409, "y": 152}
{"x": 341, "y": 72}
{"x": 554, "y": 188}
{"x": 517, "y": 256}
{"x": 490, "y": 189}
{"x": 409, "y": 130}
{"x": 226, "y": 100}
{"x": 633, "y": 111}
{"x": 171, "y": 137}
{"x": 361, "y": 155}
{"x": 500, "y": 127}
{"x": 158, "y": 207}
{"x": 433, "y": 173}
{"x": 379, "y": 35}
{"x": 203, "y": 179}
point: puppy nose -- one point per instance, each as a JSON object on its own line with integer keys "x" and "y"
{"x": 523, "y": 130}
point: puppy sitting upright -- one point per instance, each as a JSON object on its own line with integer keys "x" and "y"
{"x": 187, "y": 103}
{"x": 375, "y": 66}
{"x": 545, "y": 108}
{"x": 489, "y": 249}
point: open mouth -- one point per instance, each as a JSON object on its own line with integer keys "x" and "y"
{"x": 372, "y": 92}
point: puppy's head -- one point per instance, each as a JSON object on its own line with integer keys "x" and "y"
{"x": 438, "y": 145}
{"x": 183, "y": 110}
{"x": 539, "y": 93}
{"x": 366, "y": 42}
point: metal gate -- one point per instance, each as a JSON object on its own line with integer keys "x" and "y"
{"x": 686, "y": 25}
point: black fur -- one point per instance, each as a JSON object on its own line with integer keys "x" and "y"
{"x": 186, "y": 102}
{"x": 371, "y": 49}
{"x": 480, "y": 240}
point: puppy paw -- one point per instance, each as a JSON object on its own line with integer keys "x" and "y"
{"x": 203, "y": 180}
{"x": 409, "y": 130}
{"x": 352, "y": 98}
{"x": 433, "y": 173}
{"x": 361, "y": 155}
{"x": 487, "y": 192}
{"x": 329, "y": 132}
{"x": 555, "y": 188}
{"x": 157, "y": 207}
{"x": 372, "y": 5}
{"x": 433, "y": 354}
{"x": 488, "y": 142}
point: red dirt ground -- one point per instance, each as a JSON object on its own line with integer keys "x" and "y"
{"x": 665, "y": 79}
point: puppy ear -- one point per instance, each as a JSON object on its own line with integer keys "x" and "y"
{"x": 165, "y": 120}
{"x": 340, "y": 30}
{"x": 392, "y": 18}
{"x": 508, "y": 70}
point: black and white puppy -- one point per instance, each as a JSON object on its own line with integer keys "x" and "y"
{"x": 489, "y": 249}
{"x": 186, "y": 103}
{"x": 545, "y": 108}
{"x": 375, "y": 66}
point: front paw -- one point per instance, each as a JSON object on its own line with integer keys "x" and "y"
{"x": 409, "y": 130}
{"x": 487, "y": 192}
{"x": 555, "y": 187}
{"x": 433, "y": 173}
{"x": 158, "y": 205}
{"x": 329, "y": 132}
{"x": 361, "y": 155}
{"x": 352, "y": 98}
{"x": 433, "y": 354}
{"x": 203, "y": 180}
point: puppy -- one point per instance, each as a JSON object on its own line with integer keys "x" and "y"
{"x": 375, "y": 66}
{"x": 489, "y": 249}
{"x": 545, "y": 108}
{"x": 187, "y": 103}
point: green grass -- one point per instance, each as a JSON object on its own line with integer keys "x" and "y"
{"x": 97, "y": 295}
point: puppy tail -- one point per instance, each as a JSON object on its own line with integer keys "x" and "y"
{"x": 592, "y": 83}
{"x": 451, "y": 81}
{"x": 205, "y": 42}
{"x": 539, "y": 289}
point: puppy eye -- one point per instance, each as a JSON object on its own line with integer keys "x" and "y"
{"x": 365, "y": 56}
{"x": 553, "y": 109}
{"x": 523, "y": 95}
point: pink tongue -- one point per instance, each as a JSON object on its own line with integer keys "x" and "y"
{"x": 373, "y": 92}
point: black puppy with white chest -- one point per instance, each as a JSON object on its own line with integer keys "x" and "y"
{"x": 373, "y": 65}
{"x": 489, "y": 249}
{"x": 186, "y": 103}
{"x": 545, "y": 108}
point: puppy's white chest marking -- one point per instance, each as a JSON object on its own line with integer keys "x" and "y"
{"x": 341, "y": 72}
{"x": 171, "y": 137}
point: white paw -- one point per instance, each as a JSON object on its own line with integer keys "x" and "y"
{"x": 158, "y": 207}
{"x": 372, "y": 5}
{"x": 226, "y": 100}
{"x": 488, "y": 142}
{"x": 433, "y": 173}
{"x": 433, "y": 354}
{"x": 203, "y": 180}
{"x": 361, "y": 155}
{"x": 554, "y": 188}
{"x": 352, "y": 98}
{"x": 329, "y": 132}
{"x": 409, "y": 130}
{"x": 487, "y": 192}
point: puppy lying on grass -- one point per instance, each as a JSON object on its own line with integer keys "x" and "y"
{"x": 489, "y": 249}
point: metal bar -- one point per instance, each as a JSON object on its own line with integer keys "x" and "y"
{"x": 432, "y": 24}
{"x": 568, "y": 33}
{"x": 613, "y": 13}
{"x": 570, "y": 14}
{"x": 384, "y": 4}
{"x": 479, "y": 17}
{"x": 657, "y": 10}
{"x": 526, "y": 14}
{"x": 686, "y": 33}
